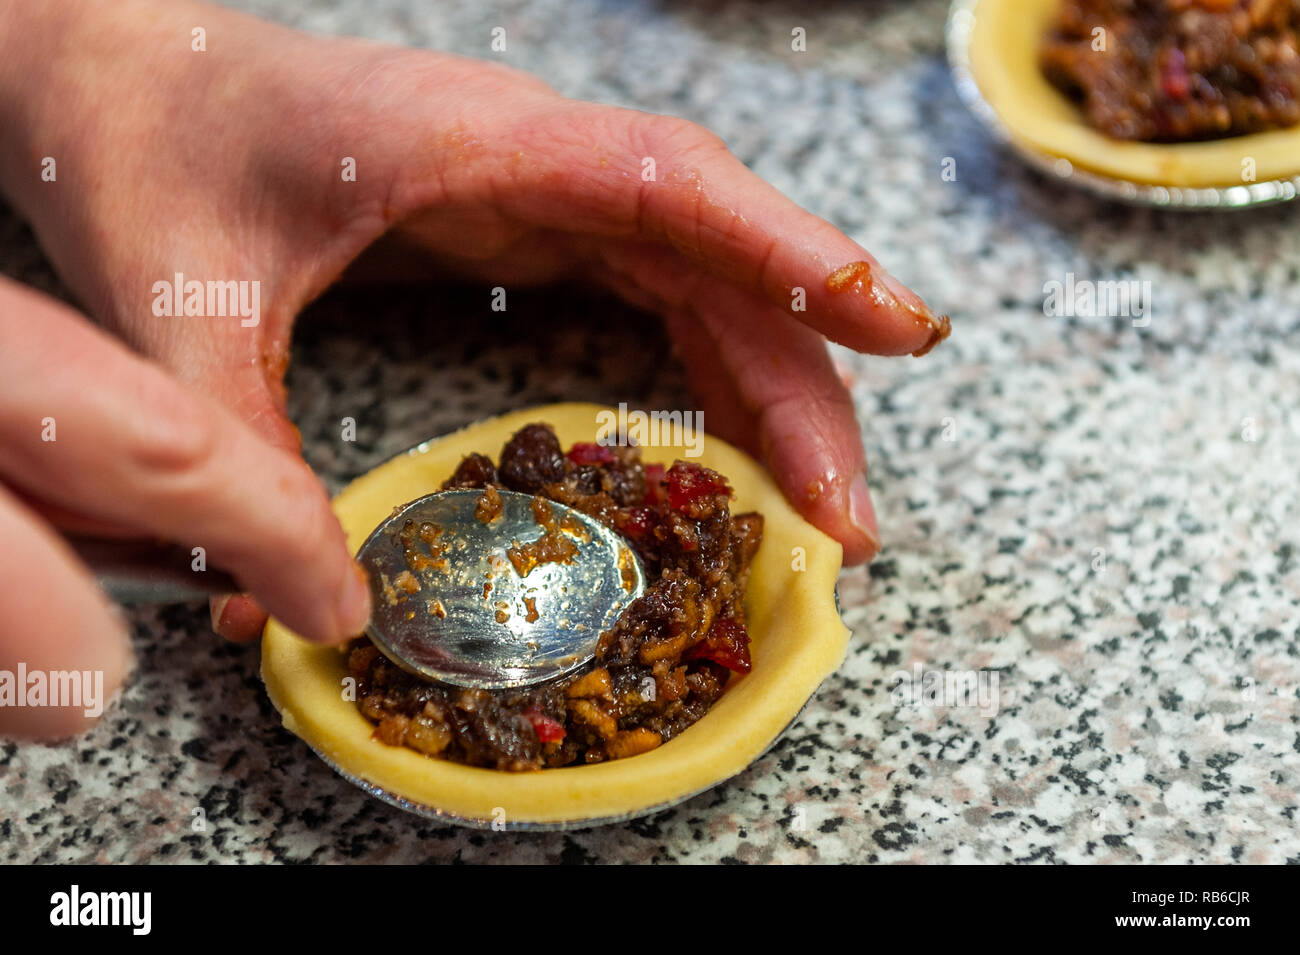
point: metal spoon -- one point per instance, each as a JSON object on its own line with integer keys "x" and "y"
{"x": 465, "y": 616}
{"x": 449, "y": 603}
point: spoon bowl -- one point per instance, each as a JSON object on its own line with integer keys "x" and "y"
{"x": 494, "y": 589}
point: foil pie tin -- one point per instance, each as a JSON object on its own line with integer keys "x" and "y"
{"x": 961, "y": 20}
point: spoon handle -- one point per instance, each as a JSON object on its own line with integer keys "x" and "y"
{"x": 141, "y": 572}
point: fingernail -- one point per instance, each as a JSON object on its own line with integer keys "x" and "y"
{"x": 217, "y": 607}
{"x": 904, "y": 294}
{"x": 862, "y": 513}
{"x": 353, "y": 609}
{"x": 939, "y": 326}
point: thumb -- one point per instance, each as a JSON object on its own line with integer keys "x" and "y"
{"x": 251, "y": 384}
{"x": 239, "y": 617}
{"x": 258, "y": 396}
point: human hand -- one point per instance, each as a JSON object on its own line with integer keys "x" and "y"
{"x": 228, "y": 164}
{"x": 97, "y": 440}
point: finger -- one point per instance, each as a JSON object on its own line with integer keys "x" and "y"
{"x": 612, "y": 172}
{"x": 754, "y": 359}
{"x": 806, "y": 427}
{"x": 254, "y": 392}
{"x": 69, "y": 521}
{"x": 241, "y": 369}
{"x": 499, "y": 155}
{"x": 729, "y": 417}
{"x": 133, "y": 446}
{"x": 727, "y": 414}
{"x": 260, "y": 401}
{"x": 55, "y": 621}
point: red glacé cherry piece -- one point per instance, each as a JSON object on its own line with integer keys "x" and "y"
{"x": 636, "y": 522}
{"x": 584, "y": 452}
{"x": 547, "y": 729}
{"x": 1175, "y": 80}
{"x": 688, "y": 483}
{"x": 727, "y": 643}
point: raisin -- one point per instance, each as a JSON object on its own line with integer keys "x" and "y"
{"x": 627, "y": 477}
{"x": 476, "y": 470}
{"x": 532, "y": 459}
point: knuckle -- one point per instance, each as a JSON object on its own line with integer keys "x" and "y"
{"x": 433, "y": 72}
{"x": 177, "y": 437}
{"x": 677, "y": 137}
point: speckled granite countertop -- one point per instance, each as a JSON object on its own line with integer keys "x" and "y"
{"x": 1072, "y": 503}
